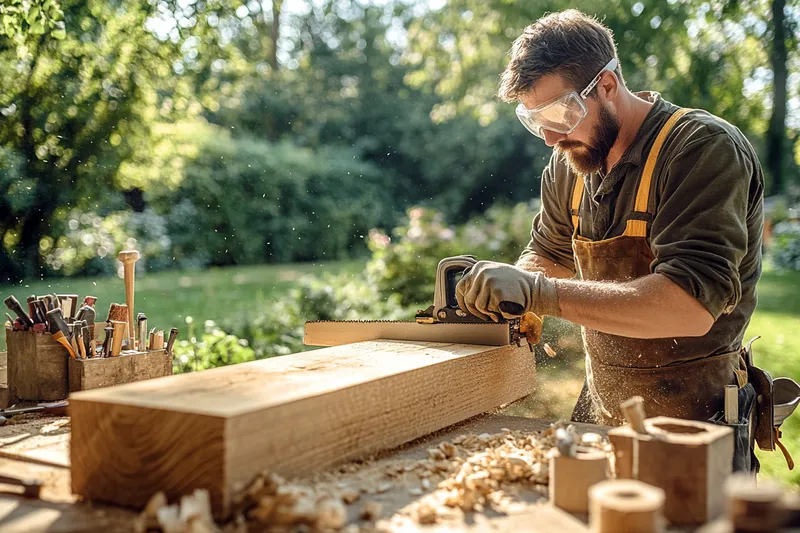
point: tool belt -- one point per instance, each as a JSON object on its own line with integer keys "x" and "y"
{"x": 764, "y": 404}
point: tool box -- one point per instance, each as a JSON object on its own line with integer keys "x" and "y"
{"x": 40, "y": 369}
{"x": 37, "y": 367}
{"x": 54, "y": 349}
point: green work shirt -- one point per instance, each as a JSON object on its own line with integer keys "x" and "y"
{"x": 706, "y": 212}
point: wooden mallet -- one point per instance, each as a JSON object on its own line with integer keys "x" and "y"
{"x": 128, "y": 259}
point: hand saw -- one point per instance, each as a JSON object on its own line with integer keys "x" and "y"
{"x": 444, "y": 321}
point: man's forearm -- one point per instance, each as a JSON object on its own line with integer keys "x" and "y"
{"x": 646, "y": 308}
{"x": 537, "y": 263}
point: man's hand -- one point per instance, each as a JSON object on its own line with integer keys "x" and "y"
{"x": 491, "y": 290}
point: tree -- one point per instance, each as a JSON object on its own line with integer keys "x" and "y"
{"x": 72, "y": 108}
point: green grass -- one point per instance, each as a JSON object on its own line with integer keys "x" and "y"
{"x": 167, "y": 298}
{"x": 777, "y": 321}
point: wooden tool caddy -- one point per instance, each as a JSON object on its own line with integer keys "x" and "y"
{"x": 40, "y": 369}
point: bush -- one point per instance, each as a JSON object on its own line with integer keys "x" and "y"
{"x": 785, "y": 249}
{"x": 405, "y": 264}
{"x": 90, "y": 243}
{"x": 237, "y": 200}
{"x": 279, "y": 329}
{"x": 214, "y": 348}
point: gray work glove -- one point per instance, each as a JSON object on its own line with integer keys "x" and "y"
{"x": 490, "y": 290}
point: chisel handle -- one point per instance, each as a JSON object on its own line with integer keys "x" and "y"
{"x": 173, "y": 334}
{"x": 57, "y": 322}
{"x": 128, "y": 259}
{"x": 13, "y": 304}
{"x": 62, "y": 340}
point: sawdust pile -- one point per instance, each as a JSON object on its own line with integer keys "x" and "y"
{"x": 468, "y": 474}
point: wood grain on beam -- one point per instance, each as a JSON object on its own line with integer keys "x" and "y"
{"x": 293, "y": 415}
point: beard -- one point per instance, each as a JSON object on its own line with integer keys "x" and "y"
{"x": 585, "y": 159}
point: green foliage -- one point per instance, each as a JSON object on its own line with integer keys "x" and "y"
{"x": 785, "y": 247}
{"x": 230, "y": 200}
{"x": 35, "y": 17}
{"x": 405, "y": 264}
{"x": 90, "y": 243}
{"x": 214, "y": 348}
{"x": 278, "y": 330}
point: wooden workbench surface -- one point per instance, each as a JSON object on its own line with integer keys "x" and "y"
{"x": 36, "y": 446}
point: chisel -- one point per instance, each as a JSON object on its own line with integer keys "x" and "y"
{"x": 33, "y": 311}
{"x": 69, "y": 304}
{"x": 141, "y": 331}
{"x": 173, "y": 334}
{"x": 107, "y": 341}
{"x": 151, "y": 339}
{"x": 13, "y": 304}
{"x": 87, "y": 314}
{"x": 119, "y": 336}
{"x": 57, "y": 323}
{"x": 731, "y": 404}
{"x": 86, "y": 336}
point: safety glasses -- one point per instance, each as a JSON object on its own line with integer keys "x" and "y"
{"x": 562, "y": 114}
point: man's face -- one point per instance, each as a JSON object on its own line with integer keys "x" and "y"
{"x": 586, "y": 148}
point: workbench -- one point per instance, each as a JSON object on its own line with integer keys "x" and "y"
{"x": 36, "y": 446}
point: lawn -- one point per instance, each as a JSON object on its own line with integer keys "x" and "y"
{"x": 167, "y": 298}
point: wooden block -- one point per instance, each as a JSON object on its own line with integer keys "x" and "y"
{"x": 571, "y": 477}
{"x": 689, "y": 460}
{"x": 292, "y": 415}
{"x": 87, "y": 374}
{"x": 37, "y": 367}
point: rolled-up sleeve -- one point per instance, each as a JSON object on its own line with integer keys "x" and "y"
{"x": 551, "y": 230}
{"x": 699, "y": 233}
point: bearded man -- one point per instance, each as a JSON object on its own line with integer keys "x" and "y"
{"x": 649, "y": 234}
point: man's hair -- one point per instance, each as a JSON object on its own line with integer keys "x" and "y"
{"x": 568, "y": 43}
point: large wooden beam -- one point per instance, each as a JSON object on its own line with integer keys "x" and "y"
{"x": 292, "y": 415}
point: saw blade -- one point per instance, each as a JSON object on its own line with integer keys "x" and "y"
{"x": 337, "y": 332}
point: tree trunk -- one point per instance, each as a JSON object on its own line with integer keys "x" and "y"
{"x": 776, "y": 133}
{"x": 275, "y": 34}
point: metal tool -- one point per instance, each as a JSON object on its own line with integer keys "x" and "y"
{"x": 31, "y": 488}
{"x": 69, "y": 305}
{"x": 173, "y": 334}
{"x": 107, "y": 341}
{"x": 565, "y": 442}
{"x": 444, "y": 321}
{"x": 55, "y": 319}
{"x": 13, "y": 304}
{"x": 141, "y": 331}
{"x": 731, "y": 404}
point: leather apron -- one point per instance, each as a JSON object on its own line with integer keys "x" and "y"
{"x": 673, "y": 375}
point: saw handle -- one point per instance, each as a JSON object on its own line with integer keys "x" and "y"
{"x": 447, "y": 273}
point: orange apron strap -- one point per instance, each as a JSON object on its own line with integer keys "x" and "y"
{"x": 638, "y": 228}
{"x": 577, "y": 195}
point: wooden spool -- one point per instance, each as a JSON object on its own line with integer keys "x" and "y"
{"x": 571, "y": 477}
{"x": 626, "y": 506}
{"x": 753, "y": 507}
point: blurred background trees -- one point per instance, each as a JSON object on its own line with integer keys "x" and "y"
{"x": 219, "y": 132}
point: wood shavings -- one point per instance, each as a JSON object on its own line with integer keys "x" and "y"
{"x": 371, "y": 511}
{"x": 549, "y": 350}
{"x": 331, "y": 514}
{"x": 349, "y": 495}
{"x": 191, "y": 515}
{"x": 469, "y": 473}
{"x": 148, "y": 518}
